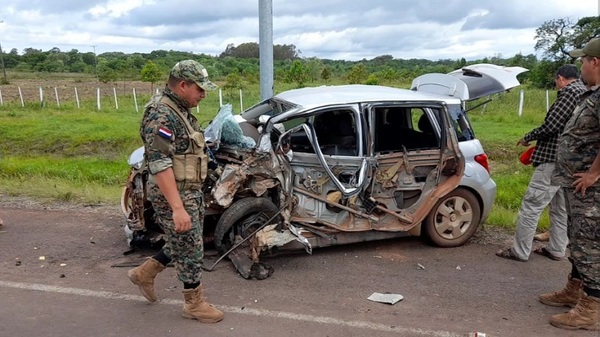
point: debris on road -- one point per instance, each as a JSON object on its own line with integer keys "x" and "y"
{"x": 386, "y": 298}
{"x": 420, "y": 266}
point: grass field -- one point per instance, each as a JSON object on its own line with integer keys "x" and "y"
{"x": 80, "y": 154}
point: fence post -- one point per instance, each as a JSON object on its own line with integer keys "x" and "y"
{"x": 220, "y": 97}
{"x": 241, "y": 101}
{"x": 98, "y": 98}
{"x": 77, "y": 97}
{"x": 521, "y": 96}
{"x": 1, "y": 102}
{"x": 547, "y": 101}
{"x": 56, "y": 94}
{"x": 41, "y": 97}
{"x": 116, "y": 101}
{"x": 21, "y": 96}
{"x": 135, "y": 101}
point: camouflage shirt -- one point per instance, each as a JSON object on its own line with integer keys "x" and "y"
{"x": 164, "y": 134}
{"x": 578, "y": 145}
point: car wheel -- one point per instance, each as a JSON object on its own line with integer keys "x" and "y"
{"x": 453, "y": 219}
{"x": 126, "y": 201}
{"x": 241, "y": 219}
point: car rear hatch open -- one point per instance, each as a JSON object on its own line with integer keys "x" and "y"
{"x": 470, "y": 82}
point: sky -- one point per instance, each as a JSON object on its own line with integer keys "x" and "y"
{"x": 326, "y": 29}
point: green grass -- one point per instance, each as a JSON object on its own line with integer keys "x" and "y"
{"x": 80, "y": 154}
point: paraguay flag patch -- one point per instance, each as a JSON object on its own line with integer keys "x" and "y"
{"x": 165, "y": 133}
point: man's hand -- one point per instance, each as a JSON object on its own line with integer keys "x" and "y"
{"x": 182, "y": 220}
{"x": 584, "y": 180}
{"x": 522, "y": 142}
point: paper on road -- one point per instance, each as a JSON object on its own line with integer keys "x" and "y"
{"x": 386, "y": 298}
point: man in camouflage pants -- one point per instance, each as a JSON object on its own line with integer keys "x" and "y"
{"x": 577, "y": 172}
{"x": 169, "y": 131}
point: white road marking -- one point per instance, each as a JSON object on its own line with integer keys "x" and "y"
{"x": 234, "y": 310}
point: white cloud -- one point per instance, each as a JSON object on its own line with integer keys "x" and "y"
{"x": 334, "y": 29}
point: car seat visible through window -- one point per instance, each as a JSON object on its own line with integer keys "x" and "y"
{"x": 336, "y": 133}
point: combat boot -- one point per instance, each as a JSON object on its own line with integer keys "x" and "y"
{"x": 585, "y": 315}
{"x": 143, "y": 276}
{"x": 196, "y": 307}
{"x": 568, "y": 297}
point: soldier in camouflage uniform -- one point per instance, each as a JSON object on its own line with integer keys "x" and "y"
{"x": 577, "y": 172}
{"x": 176, "y": 159}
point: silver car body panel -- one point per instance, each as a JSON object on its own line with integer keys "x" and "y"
{"x": 470, "y": 82}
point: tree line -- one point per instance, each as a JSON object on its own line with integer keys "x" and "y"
{"x": 240, "y": 65}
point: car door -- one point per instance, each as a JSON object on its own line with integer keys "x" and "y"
{"x": 329, "y": 166}
{"x": 417, "y": 160}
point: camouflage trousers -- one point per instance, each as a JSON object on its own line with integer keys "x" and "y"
{"x": 186, "y": 250}
{"x": 584, "y": 234}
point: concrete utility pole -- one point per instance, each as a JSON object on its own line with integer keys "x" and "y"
{"x": 95, "y": 61}
{"x": 2, "y": 61}
{"x": 265, "y": 22}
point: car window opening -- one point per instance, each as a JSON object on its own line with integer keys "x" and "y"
{"x": 399, "y": 128}
{"x": 336, "y": 132}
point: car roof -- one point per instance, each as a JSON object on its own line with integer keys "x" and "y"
{"x": 356, "y": 93}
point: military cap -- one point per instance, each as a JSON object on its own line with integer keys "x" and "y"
{"x": 193, "y": 71}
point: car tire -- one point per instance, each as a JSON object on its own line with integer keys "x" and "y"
{"x": 239, "y": 219}
{"x": 454, "y": 219}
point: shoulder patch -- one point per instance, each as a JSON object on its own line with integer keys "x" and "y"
{"x": 165, "y": 133}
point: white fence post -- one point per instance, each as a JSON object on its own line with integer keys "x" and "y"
{"x": 21, "y": 96}
{"x": 241, "y": 101}
{"x": 77, "y": 97}
{"x": 116, "y": 101}
{"x": 56, "y": 94}
{"x": 41, "y": 96}
{"x": 521, "y": 96}
{"x": 547, "y": 101}
{"x": 1, "y": 102}
{"x": 98, "y": 98}
{"x": 135, "y": 101}
{"x": 220, "y": 97}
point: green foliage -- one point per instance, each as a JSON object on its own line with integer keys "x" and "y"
{"x": 233, "y": 81}
{"x": 298, "y": 73}
{"x": 252, "y": 50}
{"x": 372, "y": 80}
{"x": 542, "y": 75}
{"x": 151, "y": 73}
{"x": 105, "y": 73}
{"x": 325, "y": 74}
{"x": 584, "y": 30}
{"x": 358, "y": 74}
{"x": 557, "y": 37}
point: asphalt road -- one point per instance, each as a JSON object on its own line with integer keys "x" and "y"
{"x": 63, "y": 273}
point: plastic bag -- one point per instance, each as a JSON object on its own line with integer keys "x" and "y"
{"x": 224, "y": 129}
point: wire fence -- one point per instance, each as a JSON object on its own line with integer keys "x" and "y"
{"x": 77, "y": 97}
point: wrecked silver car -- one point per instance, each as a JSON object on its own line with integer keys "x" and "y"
{"x": 332, "y": 165}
